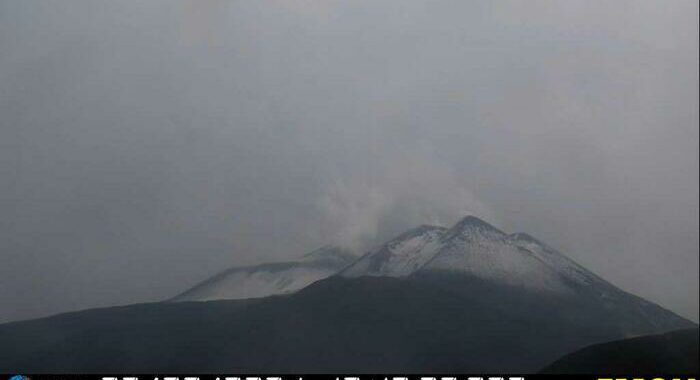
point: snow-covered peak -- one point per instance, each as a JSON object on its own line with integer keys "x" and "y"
{"x": 400, "y": 256}
{"x": 474, "y": 247}
{"x": 471, "y": 226}
{"x": 471, "y": 247}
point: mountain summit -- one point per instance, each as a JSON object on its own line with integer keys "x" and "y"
{"x": 476, "y": 248}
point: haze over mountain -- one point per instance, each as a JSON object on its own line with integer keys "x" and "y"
{"x": 147, "y": 145}
{"x": 467, "y": 298}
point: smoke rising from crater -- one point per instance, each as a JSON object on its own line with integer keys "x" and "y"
{"x": 403, "y": 191}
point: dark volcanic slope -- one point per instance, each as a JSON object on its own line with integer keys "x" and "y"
{"x": 675, "y": 352}
{"x": 418, "y": 323}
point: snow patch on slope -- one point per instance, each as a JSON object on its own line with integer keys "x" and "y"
{"x": 259, "y": 282}
{"x": 563, "y": 265}
{"x": 401, "y": 256}
{"x": 270, "y": 279}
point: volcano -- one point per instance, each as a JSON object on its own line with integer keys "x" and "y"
{"x": 469, "y": 298}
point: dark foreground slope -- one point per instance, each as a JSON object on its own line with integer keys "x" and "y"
{"x": 674, "y": 352}
{"x": 413, "y": 324}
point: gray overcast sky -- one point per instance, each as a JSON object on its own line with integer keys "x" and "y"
{"x": 147, "y": 145}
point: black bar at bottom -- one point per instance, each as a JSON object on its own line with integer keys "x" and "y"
{"x": 343, "y": 376}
